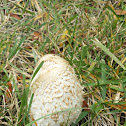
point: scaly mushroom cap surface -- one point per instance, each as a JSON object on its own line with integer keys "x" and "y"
{"x": 55, "y": 88}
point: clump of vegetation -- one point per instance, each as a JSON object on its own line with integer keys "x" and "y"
{"x": 91, "y": 35}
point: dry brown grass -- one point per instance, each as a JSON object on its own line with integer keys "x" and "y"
{"x": 30, "y": 29}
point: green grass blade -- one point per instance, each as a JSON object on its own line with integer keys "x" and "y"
{"x": 82, "y": 115}
{"x": 65, "y": 110}
{"x": 37, "y": 69}
{"x": 100, "y": 45}
{"x": 84, "y": 50}
{"x": 6, "y": 8}
{"x": 18, "y": 69}
{"x": 23, "y": 108}
{"x": 15, "y": 50}
{"x": 71, "y": 18}
{"x": 103, "y": 91}
{"x": 30, "y": 103}
{"x": 25, "y": 7}
{"x": 16, "y": 90}
{"x": 28, "y": 11}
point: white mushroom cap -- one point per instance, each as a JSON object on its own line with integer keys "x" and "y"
{"x": 55, "y": 88}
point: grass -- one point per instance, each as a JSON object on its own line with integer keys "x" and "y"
{"x": 89, "y": 34}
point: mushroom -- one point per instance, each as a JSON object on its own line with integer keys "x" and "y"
{"x": 56, "y": 88}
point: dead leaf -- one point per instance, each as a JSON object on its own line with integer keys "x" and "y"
{"x": 19, "y": 78}
{"x": 8, "y": 92}
{"x": 120, "y": 12}
{"x": 28, "y": 47}
{"x": 37, "y": 36}
{"x": 86, "y": 10}
{"x": 14, "y": 16}
{"x": 85, "y": 105}
{"x": 122, "y": 106}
